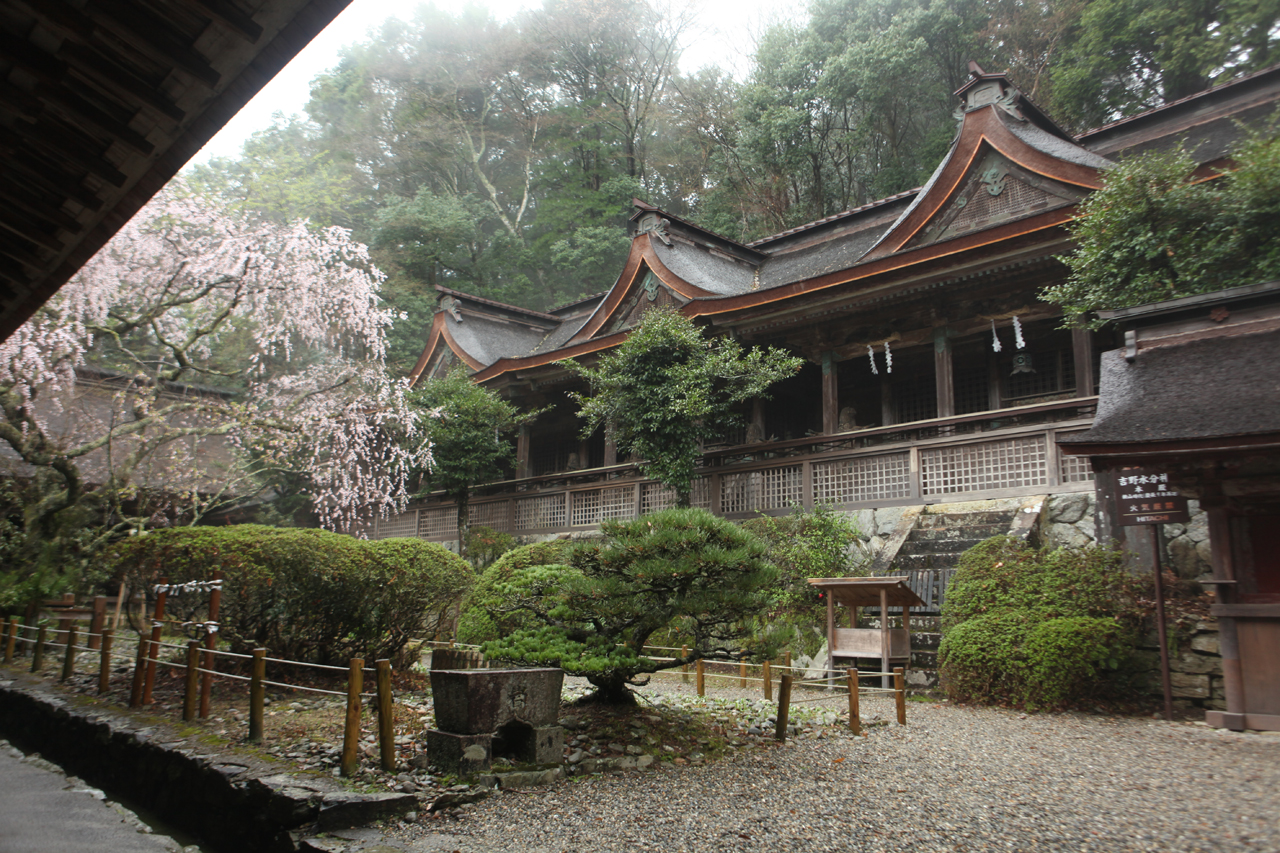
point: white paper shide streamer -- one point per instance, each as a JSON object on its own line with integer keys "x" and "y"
{"x": 871, "y": 354}
{"x": 1017, "y": 333}
{"x": 995, "y": 339}
{"x": 888, "y": 358}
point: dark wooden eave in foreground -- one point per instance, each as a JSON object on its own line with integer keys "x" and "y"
{"x": 103, "y": 102}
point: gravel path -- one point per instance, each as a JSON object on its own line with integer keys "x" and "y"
{"x": 953, "y": 779}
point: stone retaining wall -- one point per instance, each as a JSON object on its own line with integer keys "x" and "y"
{"x": 243, "y": 807}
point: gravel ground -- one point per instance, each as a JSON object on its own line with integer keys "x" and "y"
{"x": 953, "y": 779}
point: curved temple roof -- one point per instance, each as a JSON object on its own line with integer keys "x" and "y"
{"x": 1011, "y": 175}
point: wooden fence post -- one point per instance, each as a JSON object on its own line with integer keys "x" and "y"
{"x": 104, "y": 661}
{"x": 69, "y": 659}
{"x": 768, "y": 683}
{"x": 386, "y": 727}
{"x": 139, "y": 672}
{"x": 784, "y": 709}
{"x": 684, "y": 653}
{"x": 351, "y": 734}
{"x": 37, "y": 657}
{"x": 193, "y": 681}
{"x": 11, "y": 640}
{"x": 855, "y": 721}
{"x": 900, "y": 694}
{"x": 97, "y": 623}
{"x": 210, "y": 643}
{"x": 257, "y": 694}
{"x": 742, "y": 676}
{"x": 700, "y": 678}
{"x": 153, "y": 648}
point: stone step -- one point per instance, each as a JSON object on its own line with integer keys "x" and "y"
{"x": 970, "y": 531}
{"x": 911, "y": 562}
{"x": 962, "y": 519}
{"x": 939, "y": 546}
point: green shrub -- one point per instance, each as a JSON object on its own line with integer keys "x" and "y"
{"x": 484, "y": 615}
{"x": 593, "y": 610}
{"x": 1037, "y": 628}
{"x": 304, "y": 594}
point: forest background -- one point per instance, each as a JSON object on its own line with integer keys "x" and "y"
{"x": 500, "y": 157}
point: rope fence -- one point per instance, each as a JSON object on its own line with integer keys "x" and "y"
{"x": 19, "y": 638}
{"x": 850, "y": 685}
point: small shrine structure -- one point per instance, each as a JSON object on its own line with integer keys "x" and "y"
{"x": 891, "y": 645}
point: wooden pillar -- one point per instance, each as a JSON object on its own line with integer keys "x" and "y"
{"x": 1082, "y": 353}
{"x": 1228, "y": 636}
{"x": 831, "y": 637}
{"x": 610, "y": 450}
{"x": 522, "y": 452}
{"x": 942, "y": 372}
{"x": 886, "y": 401}
{"x": 884, "y": 637}
{"x": 994, "y": 399}
{"x": 830, "y": 394}
{"x": 757, "y": 417}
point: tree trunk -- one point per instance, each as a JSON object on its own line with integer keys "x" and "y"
{"x": 464, "y": 522}
{"x": 611, "y": 691}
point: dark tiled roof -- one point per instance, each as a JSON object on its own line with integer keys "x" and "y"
{"x": 1214, "y": 388}
{"x": 458, "y": 294}
{"x": 487, "y": 339}
{"x": 835, "y": 217}
{"x": 705, "y": 269}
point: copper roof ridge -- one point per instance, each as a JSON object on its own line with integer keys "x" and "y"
{"x": 1270, "y": 69}
{"x": 579, "y": 301}
{"x": 497, "y": 304}
{"x": 651, "y": 208}
{"x": 833, "y": 217}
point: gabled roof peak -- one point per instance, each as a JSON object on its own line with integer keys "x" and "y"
{"x": 985, "y": 89}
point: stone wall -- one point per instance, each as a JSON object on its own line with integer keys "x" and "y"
{"x": 1195, "y": 664}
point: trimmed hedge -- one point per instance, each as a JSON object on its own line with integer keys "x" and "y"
{"x": 479, "y": 622}
{"x": 1037, "y": 628}
{"x": 305, "y": 594}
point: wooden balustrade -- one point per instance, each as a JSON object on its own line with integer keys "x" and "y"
{"x": 1003, "y": 453}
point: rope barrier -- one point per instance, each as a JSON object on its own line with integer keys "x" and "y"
{"x": 222, "y": 674}
{"x": 221, "y": 653}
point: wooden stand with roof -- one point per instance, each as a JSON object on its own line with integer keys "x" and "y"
{"x": 891, "y": 645}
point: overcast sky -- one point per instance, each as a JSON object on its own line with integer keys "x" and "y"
{"x": 724, "y": 35}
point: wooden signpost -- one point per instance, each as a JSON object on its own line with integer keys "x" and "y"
{"x": 1144, "y": 497}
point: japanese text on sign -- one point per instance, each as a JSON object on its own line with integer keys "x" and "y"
{"x": 1145, "y": 497}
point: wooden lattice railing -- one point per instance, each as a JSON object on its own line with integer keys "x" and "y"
{"x": 1005, "y": 453}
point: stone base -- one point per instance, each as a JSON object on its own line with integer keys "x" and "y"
{"x": 464, "y": 755}
{"x": 1240, "y": 722}
{"x": 548, "y": 745}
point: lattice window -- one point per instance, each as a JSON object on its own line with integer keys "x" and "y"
{"x": 915, "y": 396}
{"x": 598, "y": 505}
{"x": 492, "y": 515}
{"x": 540, "y": 512}
{"x": 1074, "y": 469}
{"x": 655, "y": 496}
{"x": 991, "y": 465}
{"x": 438, "y": 523}
{"x": 868, "y": 478}
{"x": 972, "y": 387}
{"x": 773, "y": 488}
{"x": 404, "y": 524}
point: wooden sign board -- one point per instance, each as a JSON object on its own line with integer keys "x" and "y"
{"x": 1144, "y": 496}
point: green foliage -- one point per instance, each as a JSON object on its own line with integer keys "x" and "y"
{"x": 808, "y": 544}
{"x": 1033, "y": 627}
{"x": 593, "y": 614}
{"x": 485, "y": 613}
{"x": 467, "y": 436}
{"x": 1152, "y": 233}
{"x": 667, "y": 389}
{"x": 307, "y": 595}
{"x": 1125, "y": 56}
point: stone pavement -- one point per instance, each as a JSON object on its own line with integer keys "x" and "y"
{"x": 44, "y": 811}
